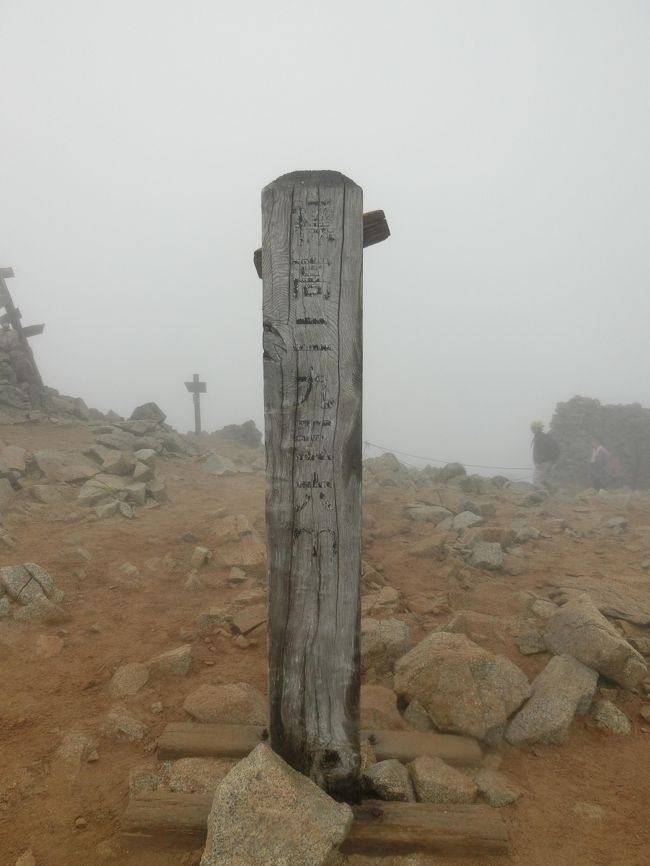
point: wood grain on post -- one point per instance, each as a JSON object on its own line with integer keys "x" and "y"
{"x": 312, "y": 272}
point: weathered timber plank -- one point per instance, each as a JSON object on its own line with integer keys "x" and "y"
{"x": 402, "y": 828}
{"x": 375, "y": 230}
{"x": 379, "y": 827}
{"x": 312, "y": 226}
{"x": 192, "y": 740}
{"x": 33, "y": 330}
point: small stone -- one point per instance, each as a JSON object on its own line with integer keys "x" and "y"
{"x": 125, "y": 510}
{"x": 176, "y": 662}
{"x": 496, "y": 789}
{"x": 487, "y": 554}
{"x": 608, "y": 717}
{"x": 26, "y": 859}
{"x": 93, "y": 757}
{"x": 121, "y": 725}
{"x": 80, "y": 823}
{"x": 531, "y": 642}
{"x": 193, "y": 583}
{"x": 200, "y": 556}
{"x": 128, "y": 680}
{"x": 241, "y": 642}
{"x": 156, "y": 707}
{"x": 589, "y": 810}
{"x": 389, "y": 780}
{"x": 465, "y": 520}
{"x": 437, "y": 782}
{"x": 107, "y": 509}
{"x": 492, "y": 761}
{"x": 417, "y": 717}
{"x": 142, "y": 473}
{"x": 236, "y": 576}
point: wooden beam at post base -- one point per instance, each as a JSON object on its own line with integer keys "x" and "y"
{"x": 379, "y": 828}
{"x": 375, "y": 230}
{"x": 194, "y": 740}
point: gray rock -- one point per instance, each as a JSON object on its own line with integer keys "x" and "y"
{"x": 107, "y": 509}
{"x": 6, "y": 611}
{"x": 496, "y": 789}
{"x": 522, "y": 532}
{"x": 128, "y": 680}
{"x": 427, "y": 513}
{"x": 146, "y": 456}
{"x": 245, "y": 434}
{"x": 233, "y": 703}
{"x": 176, "y": 662}
{"x": 463, "y": 688}
{"x": 118, "y": 463}
{"x": 136, "y": 494}
{"x": 118, "y": 440}
{"x": 65, "y": 466}
{"x": 580, "y": 630}
{"x": 389, "y": 780}
{"x": 383, "y": 641}
{"x": 487, "y": 554}
{"x": 20, "y": 585}
{"x": 157, "y": 490}
{"x": 265, "y": 805}
{"x": 417, "y": 717}
{"x": 531, "y": 642}
{"x": 218, "y": 464}
{"x": 449, "y": 471}
{"x": 148, "y": 412}
{"x": 437, "y": 782}
{"x": 121, "y": 725}
{"x": 565, "y": 687}
{"x": 609, "y": 718}
{"x": 142, "y": 473}
{"x": 465, "y": 520}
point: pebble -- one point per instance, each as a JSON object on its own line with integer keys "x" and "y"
{"x": 80, "y": 823}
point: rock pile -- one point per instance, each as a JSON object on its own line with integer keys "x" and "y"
{"x": 623, "y": 429}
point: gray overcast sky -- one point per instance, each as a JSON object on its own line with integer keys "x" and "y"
{"x": 508, "y": 142}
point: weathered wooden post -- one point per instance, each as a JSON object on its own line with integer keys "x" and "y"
{"x": 196, "y": 388}
{"x": 312, "y": 270}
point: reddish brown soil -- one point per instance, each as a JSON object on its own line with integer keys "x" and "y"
{"x": 44, "y": 698}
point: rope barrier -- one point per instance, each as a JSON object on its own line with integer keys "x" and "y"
{"x": 445, "y": 462}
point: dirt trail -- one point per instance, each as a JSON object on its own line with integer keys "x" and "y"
{"x": 44, "y": 698}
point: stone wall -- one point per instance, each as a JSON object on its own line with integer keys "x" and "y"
{"x": 623, "y": 429}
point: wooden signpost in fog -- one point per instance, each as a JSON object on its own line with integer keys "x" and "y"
{"x": 196, "y": 388}
{"x": 312, "y": 257}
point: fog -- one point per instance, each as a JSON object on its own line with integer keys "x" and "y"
{"x": 507, "y": 142}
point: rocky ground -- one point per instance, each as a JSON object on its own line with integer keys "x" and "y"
{"x": 132, "y": 571}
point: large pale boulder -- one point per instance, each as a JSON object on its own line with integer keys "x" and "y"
{"x": 383, "y": 641}
{"x": 463, "y": 688}
{"x": 579, "y": 629}
{"x": 266, "y": 812}
{"x": 232, "y": 703}
{"x": 565, "y": 687}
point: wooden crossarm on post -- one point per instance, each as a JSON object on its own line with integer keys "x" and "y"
{"x": 375, "y": 230}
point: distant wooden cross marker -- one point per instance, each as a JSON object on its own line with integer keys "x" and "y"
{"x": 196, "y": 388}
{"x": 312, "y": 255}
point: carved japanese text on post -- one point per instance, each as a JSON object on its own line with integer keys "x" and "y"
{"x": 312, "y": 265}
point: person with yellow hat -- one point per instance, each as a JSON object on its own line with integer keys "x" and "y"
{"x": 545, "y": 454}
